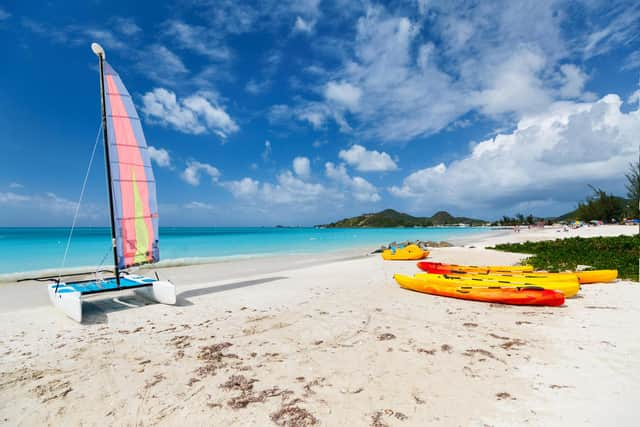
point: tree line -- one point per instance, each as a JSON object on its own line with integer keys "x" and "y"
{"x": 600, "y": 205}
{"x": 609, "y": 208}
{"x": 520, "y": 219}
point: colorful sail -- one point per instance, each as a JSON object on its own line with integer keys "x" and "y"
{"x": 134, "y": 187}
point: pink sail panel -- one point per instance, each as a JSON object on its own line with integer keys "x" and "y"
{"x": 134, "y": 191}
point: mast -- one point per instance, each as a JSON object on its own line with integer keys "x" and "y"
{"x": 99, "y": 51}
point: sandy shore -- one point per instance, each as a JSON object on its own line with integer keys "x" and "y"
{"x": 550, "y": 233}
{"x": 327, "y": 340}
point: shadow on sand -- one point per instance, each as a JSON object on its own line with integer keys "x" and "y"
{"x": 95, "y": 311}
{"x": 183, "y": 296}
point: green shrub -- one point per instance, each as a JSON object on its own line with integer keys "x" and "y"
{"x": 621, "y": 253}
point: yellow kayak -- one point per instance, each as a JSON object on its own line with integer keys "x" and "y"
{"x": 583, "y": 277}
{"x": 522, "y": 277}
{"x": 568, "y": 287}
{"x": 587, "y": 276}
{"x": 596, "y": 276}
{"x": 431, "y": 267}
{"x": 409, "y": 252}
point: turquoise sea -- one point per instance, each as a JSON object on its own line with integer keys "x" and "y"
{"x": 32, "y": 249}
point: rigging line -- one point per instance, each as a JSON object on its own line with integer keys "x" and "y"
{"x": 102, "y": 262}
{"x": 75, "y": 216}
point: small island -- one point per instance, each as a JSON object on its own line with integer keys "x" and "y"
{"x": 391, "y": 218}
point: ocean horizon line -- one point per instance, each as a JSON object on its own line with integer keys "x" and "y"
{"x": 33, "y": 249}
{"x": 45, "y": 227}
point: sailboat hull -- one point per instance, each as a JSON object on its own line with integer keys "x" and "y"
{"x": 161, "y": 291}
{"x": 66, "y": 300}
{"x": 67, "y": 297}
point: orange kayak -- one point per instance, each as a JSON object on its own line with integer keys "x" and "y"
{"x": 569, "y": 288}
{"x": 509, "y": 295}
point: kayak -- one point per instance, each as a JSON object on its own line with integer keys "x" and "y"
{"x": 595, "y": 276}
{"x": 522, "y": 277}
{"x": 407, "y": 253}
{"x": 499, "y": 275}
{"x": 476, "y": 268}
{"x": 584, "y": 277}
{"x": 568, "y": 287}
{"x": 502, "y": 295}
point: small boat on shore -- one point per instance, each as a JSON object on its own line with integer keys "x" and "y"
{"x": 529, "y": 295}
{"x": 569, "y": 288}
{"x": 133, "y": 209}
{"x": 406, "y": 253}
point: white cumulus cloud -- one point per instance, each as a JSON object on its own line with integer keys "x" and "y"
{"x": 194, "y": 169}
{"x": 343, "y": 93}
{"x": 361, "y": 189}
{"x": 302, "y": 167}
{"x": 290, "y": 189}
{"x": 574, "y": 80}
{"x": 245, "y": 187}
{"x": 634, "y": 98}
{"x": 496, "y": 58}
{"x": 195, "y": 114}
{"x": 549, "y": 156}
{"x": 515, "y": 85}
{"x": 367, "y": 161}
{"x": 160, "y": 156}
{"x": 287, "y": 190}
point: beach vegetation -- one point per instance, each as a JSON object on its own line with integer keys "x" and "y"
{"x": 633, "y": 189}
{"x": 620, "y": 253}
{"x": 601, "y": 206}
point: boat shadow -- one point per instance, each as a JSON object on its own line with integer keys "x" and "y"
{"x": 183, "y": 297}
{"x": 96, "y": 311}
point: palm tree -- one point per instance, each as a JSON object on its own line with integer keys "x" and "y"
{"x": 633, "y": 189}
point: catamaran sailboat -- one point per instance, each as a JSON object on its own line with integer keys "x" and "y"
{"x": 132, "y": 203}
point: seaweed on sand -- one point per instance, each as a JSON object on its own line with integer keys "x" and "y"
{"x": 293, "y": 416}
{"x": 213, "y": 357}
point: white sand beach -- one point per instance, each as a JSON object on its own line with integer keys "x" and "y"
{"x": 330, "y": 340}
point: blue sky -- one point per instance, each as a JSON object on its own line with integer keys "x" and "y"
{"x": 304, "y": 112}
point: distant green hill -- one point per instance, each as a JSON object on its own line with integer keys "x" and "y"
{"x": 392, "y": 218}
{"x": 569, "y": 216}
